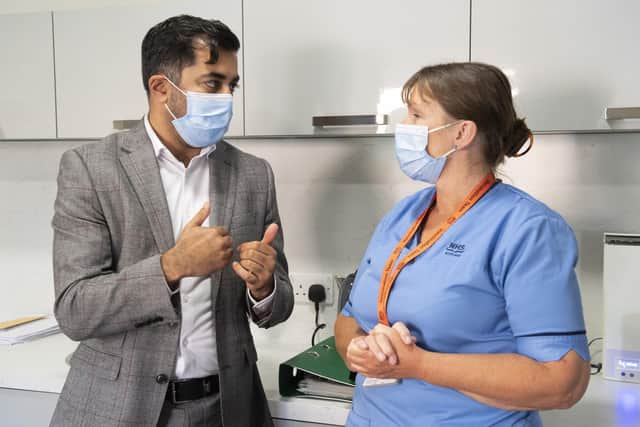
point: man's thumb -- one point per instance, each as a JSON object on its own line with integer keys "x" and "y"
{"x": 200, "y": 216}
{"x": 270, "y": 233}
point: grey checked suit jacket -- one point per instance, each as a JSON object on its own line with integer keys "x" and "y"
{"x": 111, "y": 224}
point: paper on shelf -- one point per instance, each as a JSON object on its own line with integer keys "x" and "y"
{"x": 319, "y": 387}
{"x": 44, "y": 326}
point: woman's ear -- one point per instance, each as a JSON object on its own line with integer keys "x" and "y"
{"x": 465, "y": 134}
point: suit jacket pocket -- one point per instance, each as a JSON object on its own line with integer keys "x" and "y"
{"x": 97, "y": 363}
{"x": 111, "y": 344}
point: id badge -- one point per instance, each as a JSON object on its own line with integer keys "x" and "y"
{"x": 378, "y": 382}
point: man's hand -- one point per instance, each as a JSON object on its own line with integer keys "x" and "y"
{"x": 257, "y": 264}
{"x": 199, "y": 250}
{"x": 387, "y": 352}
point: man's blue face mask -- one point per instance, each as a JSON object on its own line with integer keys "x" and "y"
{"x": 411, "y": 150}
{"x": 207, "y": 118}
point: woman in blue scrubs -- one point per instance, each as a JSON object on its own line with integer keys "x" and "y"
{"x": 467, "y": 294}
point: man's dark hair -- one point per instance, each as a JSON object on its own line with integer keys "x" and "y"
{"x": 169, "y": 47}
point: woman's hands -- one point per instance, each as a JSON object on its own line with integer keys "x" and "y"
{"x": 386, "y": 352}
{"x": 508, "y": 381}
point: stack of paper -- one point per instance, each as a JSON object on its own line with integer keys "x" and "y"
{"x": 25, "y": 329}
{"x": 318, "y": 387}
{"x": 317, "y": 372}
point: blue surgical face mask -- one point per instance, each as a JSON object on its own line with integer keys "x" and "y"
{"x": 411, "y": 151}
{"x": 207, "y": 119}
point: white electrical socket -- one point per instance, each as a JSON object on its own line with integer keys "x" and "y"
{"x": 301, "y": 283}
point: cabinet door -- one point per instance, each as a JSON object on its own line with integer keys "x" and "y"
{"x": 27, "y": 98}
{"x": 341, "y": 58}
{"x": 567, "y": 60}
{"x": 98, "y": 62}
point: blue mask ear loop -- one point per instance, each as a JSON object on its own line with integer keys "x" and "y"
{"x": 181, "y": 91}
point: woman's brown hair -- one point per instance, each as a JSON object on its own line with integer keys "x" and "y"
{"x": 480, "y": 93}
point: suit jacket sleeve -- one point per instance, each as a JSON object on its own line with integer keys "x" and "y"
{"x": 92, "y": 300}
{"x": 283, "y": 297}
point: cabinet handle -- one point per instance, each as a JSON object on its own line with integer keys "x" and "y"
{"x": 351, "y": 120}
{"x": 124, "y": 124}
{"x": 621, "y": 239}
{"x": 622, "y": 113}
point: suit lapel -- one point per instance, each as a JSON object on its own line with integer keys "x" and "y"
{"x": 222, "y": 195}
{"x": 221, "y": 186}
{"x": 139, "y": 162}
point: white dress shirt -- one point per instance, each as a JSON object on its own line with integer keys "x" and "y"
{"x": 187, "y": 190}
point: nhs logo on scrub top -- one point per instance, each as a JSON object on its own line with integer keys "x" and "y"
{"x": 454, "y": 249}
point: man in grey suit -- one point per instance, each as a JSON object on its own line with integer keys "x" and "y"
{"x": 166, "y": 240}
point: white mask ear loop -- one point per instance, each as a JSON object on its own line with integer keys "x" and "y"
{"x": 181, "y": 91}
{"x": 445, "y": 126}
{"x": 454, "y": 149}
{"x": 174, "y": 85}
{"x": 170, "y": 112}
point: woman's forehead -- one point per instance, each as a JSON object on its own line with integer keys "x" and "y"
{"x": 419, "y": 99}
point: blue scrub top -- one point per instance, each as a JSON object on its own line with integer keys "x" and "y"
{"x": 500, "y": 280}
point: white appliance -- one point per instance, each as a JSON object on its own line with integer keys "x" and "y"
{"x": 621, "y": 287}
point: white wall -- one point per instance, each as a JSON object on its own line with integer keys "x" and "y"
{"x": 331, "y": 194}
{"x": 27, "y": 190}
{"x": 27, "y": 6}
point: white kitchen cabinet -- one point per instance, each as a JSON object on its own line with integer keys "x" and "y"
{"x": 27, "y": 96}
{"x": 567, "y": 60}
{"x": 341, "y": 58}
{"x": 98, "y": 64}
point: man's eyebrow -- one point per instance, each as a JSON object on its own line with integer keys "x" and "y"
{"x": 218, "y": 76}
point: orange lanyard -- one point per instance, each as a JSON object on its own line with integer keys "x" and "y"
{"x": 388, "y": 278}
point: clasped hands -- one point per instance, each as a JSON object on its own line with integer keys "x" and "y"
{"x": 201, "y": 251}
{"x": 386, "y": 352}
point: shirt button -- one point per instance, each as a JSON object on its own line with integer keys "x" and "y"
{"x": 185, "y": 299}
{"x": 185, "y": 342}
{"x": 162, "y": 379}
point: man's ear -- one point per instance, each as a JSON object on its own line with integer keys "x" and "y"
{"x": 158, "y": 89}
{"x": 465, "y": 134}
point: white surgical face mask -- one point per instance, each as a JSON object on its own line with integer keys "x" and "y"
{"x": 411, "y": 150}
{"x": 207, "y": 119}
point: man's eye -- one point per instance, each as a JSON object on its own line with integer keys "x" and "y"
{"x": 211, "y": 84}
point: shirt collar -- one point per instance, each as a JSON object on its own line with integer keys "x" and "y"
{"x": 160, "y": 149}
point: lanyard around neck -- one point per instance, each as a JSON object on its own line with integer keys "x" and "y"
{"x": 389, "y": 276}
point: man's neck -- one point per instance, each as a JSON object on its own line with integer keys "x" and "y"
{"x": 170, "y": 139}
